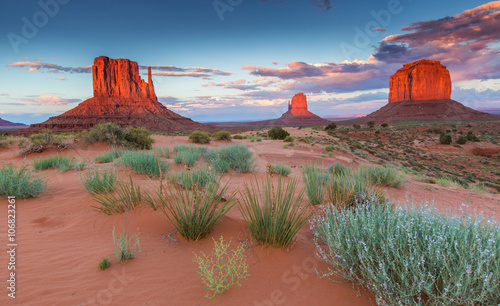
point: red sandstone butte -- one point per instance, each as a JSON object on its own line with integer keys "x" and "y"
{"x": 120, "y": 96}
{"x": 420, "y": 80}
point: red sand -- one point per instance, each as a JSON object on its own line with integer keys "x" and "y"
{"x": 61, "y": 239}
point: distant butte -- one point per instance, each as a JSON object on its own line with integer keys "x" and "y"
{"x": 297, "y": 115}
{"x": 421, "y": 91}
{"x": 120, "y": 96}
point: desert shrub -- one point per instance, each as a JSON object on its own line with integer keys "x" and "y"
{"x": 386, "y": 176}
{"x": 471, "y": 137}
{"x": 144, "y": 163}
{"x": 20, "y": 183}
{"x": 163, "y": 152}
{"x": 187, "y": 158}
{"x": 127, "y": 198}
{"x": 281, "y": 169}
{"x": 112, "y": 133}
{"x": 222, "y": 135}
{"x": 37, "y": 143}
{"x": 277, "y": 132}
{"x": 274, "y": 215}
{"x": 238, "y": 137}
{"x": 107, "y": 157}
{"x": 190, "y": 148}
{"x": 447, "y": 181}
{"x": 200, "y": 137}
{"x": 195, "y": 212}
{"x": 461, "y": 140}
{"x": 138, "y": 138}
{"x": 126, "y": 247}
{"x": 62, "y": 163}
{"x": 440, "y": 259}
{"x": 199, "y": 177}
{"x": 289, "y": 139}
{"x": 445, "y": 139}
{"x": 95, "y": 181}
{"x": 384, "y": 125}
{"x": 104, "y": 263}
{"x": 338, "y": 168}
{"x": 370, "y": 124}
{"x": 315, "y": 180}
{"x": 218, "y": 270}
{"x": 236, "y": 157}
{"x": 356, "y": 126}
{"x": 331, "y": 126}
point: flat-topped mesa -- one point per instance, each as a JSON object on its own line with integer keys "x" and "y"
{"x": 420, "y": 80}
{"x": 120, "y": 78}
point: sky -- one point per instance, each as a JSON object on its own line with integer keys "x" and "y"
{"x": 242, "y": 60}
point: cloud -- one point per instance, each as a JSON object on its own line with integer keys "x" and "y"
{"x": 462, "y": 41}
{"x": 322, "y": 4}
{"x": 47, "y": 100}
{"x": 239, "y": 84}
{"x": 174, "y": 71}
{"x": 38, "y": 66}
{"x": 380, "y": 29}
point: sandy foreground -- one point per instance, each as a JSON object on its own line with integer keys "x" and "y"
{"x": 61, "y": 239}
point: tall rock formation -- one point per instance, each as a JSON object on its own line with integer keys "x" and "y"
{"x": 297, "y": 115}
{"x": 120, "y": 96}
{"x": 420, "y": 80}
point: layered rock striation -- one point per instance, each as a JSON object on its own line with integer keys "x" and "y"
{"x": 121, "y": 96}
{"x": 420, "y": 80}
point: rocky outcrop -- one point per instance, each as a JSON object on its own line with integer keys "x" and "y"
{"x": 420, "y": 80}
{"x": 121, "y": 96}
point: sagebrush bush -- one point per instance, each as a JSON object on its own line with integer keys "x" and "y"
{"x": 219, "y": 270}
{"x": 200, "y": 137}
{"x": 144, "y": 163}
{"x": 133, "y": 138}
{"x": 370, "y": 124}
{"x": 195, "y": 212}
{"x": 331, "y": 126}
{"x": 315, "y": 180}
{"x": 126, "y": 247}
{"x": 138, "y": 138}
{"x": 413, "y": 255}
{"x": 289, "y": 139}
{"x": 236, "y": 157}
{"x": 222, "y": 135}
{"x": 461, "y": 140}
{"x": 96, "y": 181}
{"x": 20, "y": 183}
{"x": 445, "y": 139}
{"x": 471, "y": 137}
{"x": 37, "y": 143}
{"x": 273, "y": 213}
{"x": 277, "y": 132}
{"x": 238, "y": 137}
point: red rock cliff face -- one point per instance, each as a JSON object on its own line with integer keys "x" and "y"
{"x": 420, "y": 80}
{"x": 120, "y": 78}
{"x": 298, "y": 106}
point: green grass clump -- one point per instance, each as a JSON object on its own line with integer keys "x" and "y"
{"x": 219, "y": 271}
{"x": 20, "y": 183}
{"x": 126, "y": 247}
{"x": 187, "y": 158}
{"x": 273, "y": 213}
{"x": 144, "y": 163}
{"x": 199, "y": 177}
{"x": 447, "y": 181}
{"x": 338, "y": 168}
{"x": 236, "y": 157}
{"x": 315, "y": 180}
{"x": 414, "y": 255}
{"x": 62, "y": 163}
{"x": 277, "y": 132}
{"x": 104, "y": 263}
{"x": 389, "y": 176}
{"x": 195, "y": 212}
{"x": 200, "y": 137}
{"x": 95, "y": 181}
{"x": 281, "y": 169}
{"x": 127, "y": 198}
{"x": 163, "y": 152}
{"x": 222, "y": 135}
{"x": 238, "y": 137}
{"x": 107, "y": 157}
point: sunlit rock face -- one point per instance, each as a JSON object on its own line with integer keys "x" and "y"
{"x": 420, "y": 80}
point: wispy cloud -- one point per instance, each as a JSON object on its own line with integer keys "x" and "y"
{"x": 47, "y": 100}
{"x": 174, "y": 71}
{"x": 38, "y": 66}
{"x": 322, "y": 4}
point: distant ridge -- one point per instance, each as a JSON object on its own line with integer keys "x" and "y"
{"x": 7, "y": 125}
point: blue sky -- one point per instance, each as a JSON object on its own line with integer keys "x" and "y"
{"x": 229, "y": 60}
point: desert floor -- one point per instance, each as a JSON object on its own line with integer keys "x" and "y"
{"x": 61, "y": 239}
